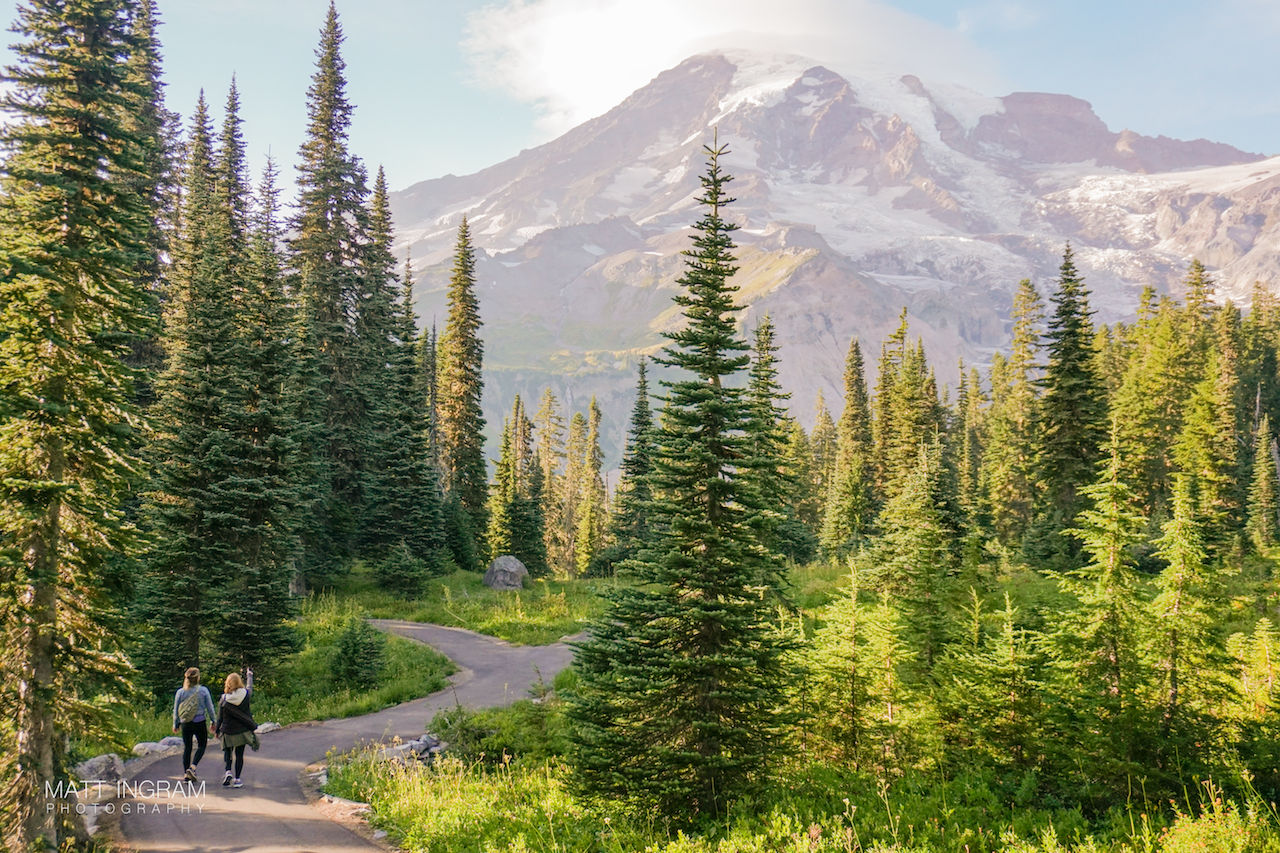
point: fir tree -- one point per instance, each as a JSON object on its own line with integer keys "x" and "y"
{"x": 1007, "y": 462}
{"x": 823, "y": 445}
{"x": 502, "y": 498}
{"x": 327, "y": 254}
{"x": 76, "y": 232}
{"x": 681, "y": 680}
{"x": 772, "y": 482}
{"x": 1071, "y": 415}
{"x": 187, "y": 508}
{"x": 1264, "y": 504}
{"x": 629, "y": 525}
{"x": 1183, "y": 617}
{"x": 849, "y": 503}
{"x": 1099, "y": 639}
{"x": 460, "y": 363}
{"x": 549, "y": 454}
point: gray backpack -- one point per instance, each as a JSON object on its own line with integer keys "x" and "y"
{"x": 189, "y": 707}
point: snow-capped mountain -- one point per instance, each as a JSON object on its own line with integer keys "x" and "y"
{"x": 855, "y": 197}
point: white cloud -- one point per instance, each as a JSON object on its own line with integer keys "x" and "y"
{"x": 575, "y": 59}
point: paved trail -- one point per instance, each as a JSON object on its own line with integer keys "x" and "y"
{"x": 270, "y": 813}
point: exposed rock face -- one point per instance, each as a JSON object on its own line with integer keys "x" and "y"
{"x": 855, "y": 197}
{"x": 506, "y": 572}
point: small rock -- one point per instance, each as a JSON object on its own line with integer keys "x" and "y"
{"x": 267, "y": 727}
{"x": 142, "y": 750}
{"x": 170, "y": 741}
{"x": 379, "y": 834}
{"x": 506, "y": 572}
{"x": 107, "y": 768}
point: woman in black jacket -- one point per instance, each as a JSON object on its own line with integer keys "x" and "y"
{"x": 235, "y": 724}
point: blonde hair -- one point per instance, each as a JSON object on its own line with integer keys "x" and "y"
{"x": 234, "y": 683}
{"x": 191, "y": 677}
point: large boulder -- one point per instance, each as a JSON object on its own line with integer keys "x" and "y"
{"x": 103, "y": 768}
{"x": 506, "y": 572}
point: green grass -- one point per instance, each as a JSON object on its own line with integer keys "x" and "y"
{"x": 302, "y": 687}
{"x": 460, "y": 807}
{"x": 542, "y": 613}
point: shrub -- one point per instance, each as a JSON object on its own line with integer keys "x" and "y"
{"x": 359, "y": 656}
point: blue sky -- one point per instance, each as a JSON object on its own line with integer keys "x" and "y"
{"x": 455, "y": 85}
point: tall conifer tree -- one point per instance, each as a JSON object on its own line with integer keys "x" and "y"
{"x": 460, "y": 357}
{"x": 76, "y": 231}
{"x": 328, "y": 250}
{"x": 1071, "y": 427}
{"x": 681, "y": 681}
{"x": 849, "y": 504}
{"x": 629, "y": 524}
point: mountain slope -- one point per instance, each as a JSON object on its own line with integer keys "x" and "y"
{"x": 855, "y": 197}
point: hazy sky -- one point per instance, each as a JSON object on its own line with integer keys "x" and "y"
{"x": 455, "y": 85}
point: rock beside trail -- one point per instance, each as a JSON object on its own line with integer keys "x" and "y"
{"x": 170, "y": 741}
{"x": 142, "y": 750}
{"x": 506, "y": 572}
{"x": 267, "y": 727}
{"x": 107, "y": 768}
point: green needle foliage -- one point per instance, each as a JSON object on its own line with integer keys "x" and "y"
{"x": 76, "y": 227}
{"x": 678, "y": 706}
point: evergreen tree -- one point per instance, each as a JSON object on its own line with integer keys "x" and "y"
{"x": 797, "y": 456}
{"x": 401, "y": 488}
{"x": 823, "y": 445}
{"x": 849, "y": 503}
{"x": 188, "y": 507}
{"x": 841, "y": 674}
{"x": 681, "y": 680}
{"x": 156, "y": 131}
{"x": 629, "y": 525}
{"x": 915, "y": 555}
{"x": 1007, "y": 462}
{"x": 1183, "y": 620}
{"x": 776, "y": 524}
{"x": 253, "y": 602}
{"x": 1071, "y": 415}
{"x": 328, "y": 251}
{"x": 76, "y": 231}
{"x": 502, "y": 498}
{"x": 1099, "y": 638}
{"x": 460, "y": 362}
{"x": 1264, "y": 503}
{"x": 573, "y": 494}
{"x": 549, "y": 453}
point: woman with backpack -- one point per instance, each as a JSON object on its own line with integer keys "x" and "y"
{"x": 192, "y": 713}
{"x": 235, "y": 724}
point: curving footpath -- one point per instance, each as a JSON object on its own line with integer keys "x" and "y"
{"x": 270, "y": 814}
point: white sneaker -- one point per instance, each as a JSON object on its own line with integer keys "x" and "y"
{"x": 226, "y": 780}
{"x": 237, "y": 783}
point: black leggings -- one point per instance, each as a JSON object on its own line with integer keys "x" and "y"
{"x": 200, "y": 732}
{"x": 226, "y": 756}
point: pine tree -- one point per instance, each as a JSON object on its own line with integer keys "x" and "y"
{"x": 460, "y": 363}
{"x": 915, "y": 557}
{"x": 1008, "y": 453}
{"x": 629, "y": 525}
{"x": 156, "y": 130}
{"x": 1264, "y": 502}
{"x": 1099, "y": 638}
{"x": 849, "y": 503}
{"x": 76, "y": 231}
{"x": 681, "y": 680}
{"x": 892, "y": 352}
{"x": 328, "y": 250}
{"x": 1071, "y": 414}
{"x": 502, "y": 498}
{"x": 573, "y": 494}
{"x": 187, "y": 509}
{"x": 1183, "y": 619}
{"x": 772, "y": 482}
{"x": 823, "y": 445}
{"x": 253, "y": 602}
{"x": 841, "y": 673}
{"x": 549, "y": 453}
{"x": 797, "y": 456}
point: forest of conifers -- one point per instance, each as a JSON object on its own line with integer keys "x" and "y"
{"x": 1060, "y": 573}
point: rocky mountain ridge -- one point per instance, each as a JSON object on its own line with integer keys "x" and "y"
{"x": 855, "y": 197}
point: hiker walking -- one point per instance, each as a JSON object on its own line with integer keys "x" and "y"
{"x": 192, "y": 713}
{"x": 235, "y": 724}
